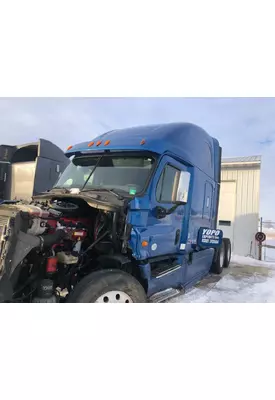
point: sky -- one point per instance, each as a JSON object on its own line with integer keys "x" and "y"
{"x": 244, "y": 126}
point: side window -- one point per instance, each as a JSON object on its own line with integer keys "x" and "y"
{"x": 166, "y": 184}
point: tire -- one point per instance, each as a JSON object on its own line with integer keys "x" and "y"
{"x": 108, "y": 286}
{"x": 218, "y": 260}
{"x": 227, "y": 249}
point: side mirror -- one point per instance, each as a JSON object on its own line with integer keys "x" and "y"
{"x": 160, "y": 212}
{"x": 181, "y": 188}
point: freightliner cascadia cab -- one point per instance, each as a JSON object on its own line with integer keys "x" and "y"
{"x": 132, "y": 218}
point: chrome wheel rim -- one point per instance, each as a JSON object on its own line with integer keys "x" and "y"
{"x": 114, "y": 296}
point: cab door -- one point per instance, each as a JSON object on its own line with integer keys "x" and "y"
{"x": 159, "y": 227}
{"x": 166, "y": 230}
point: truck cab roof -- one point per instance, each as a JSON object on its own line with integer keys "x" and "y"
{"x": 185, "y": 141}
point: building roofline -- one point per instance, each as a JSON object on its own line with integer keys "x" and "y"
{"x": 242, "y": 162}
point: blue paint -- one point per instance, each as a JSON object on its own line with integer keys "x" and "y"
{"x": 186, "y": 141}
{"x": 177, "y": 235}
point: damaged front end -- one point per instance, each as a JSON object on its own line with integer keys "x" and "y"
{"x": 56, "y": 240}
{"x": 82, "y": 225}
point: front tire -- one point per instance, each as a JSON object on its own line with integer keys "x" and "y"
{"x": 108, "y": 286}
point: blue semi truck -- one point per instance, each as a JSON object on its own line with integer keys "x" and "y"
{"x": 133, "y": 218}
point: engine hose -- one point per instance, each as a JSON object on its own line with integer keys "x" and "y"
{"x": 50, "y": 240}
{"x": 96, "y": 241}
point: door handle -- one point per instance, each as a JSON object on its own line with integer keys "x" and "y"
{"x": 177, "y": 236}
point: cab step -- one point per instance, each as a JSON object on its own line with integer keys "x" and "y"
{"x": 164, "y": 295}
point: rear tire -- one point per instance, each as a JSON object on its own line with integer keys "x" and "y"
{"x": 227, "y": 249}
{"x": 108, "y": 286}
{"x": 218, "y": 261}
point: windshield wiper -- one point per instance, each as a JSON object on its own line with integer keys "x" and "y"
{"x": 118, "y": 195}
{"x": 65, "y": 190}
{"x": 91, "y": 173}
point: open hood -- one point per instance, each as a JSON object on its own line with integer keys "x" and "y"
{"x": 96, "y": 199}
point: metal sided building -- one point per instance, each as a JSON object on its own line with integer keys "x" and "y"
{"x": 239, "y": 202}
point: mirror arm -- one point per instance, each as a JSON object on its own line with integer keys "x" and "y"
{"x": 172, "y": 209}
{"x": 163, "y": 212}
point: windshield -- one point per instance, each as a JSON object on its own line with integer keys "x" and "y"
{"x": 127, "y": 174}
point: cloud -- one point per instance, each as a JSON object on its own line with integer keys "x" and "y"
{"x": 244, "y": 126}
{"x": 266, "y": 142}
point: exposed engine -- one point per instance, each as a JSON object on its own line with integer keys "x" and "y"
{"x": 68, "y": 236}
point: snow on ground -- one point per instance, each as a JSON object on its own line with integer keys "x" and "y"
{"x": 229, "y": 290}
{"x": 240, "y": 260}
{"x": 246, "y": 281}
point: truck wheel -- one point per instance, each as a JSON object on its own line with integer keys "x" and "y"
{"x": 218, "y": 261}
{"x": 227, "y": 251}
{"x": 108, "y": 286}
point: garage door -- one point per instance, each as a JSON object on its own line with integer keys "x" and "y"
{"x": 226, "y": 215}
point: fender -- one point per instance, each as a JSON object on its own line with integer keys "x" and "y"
{"x": 114, "y": 261}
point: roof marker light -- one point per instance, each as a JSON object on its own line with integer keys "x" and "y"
{"x": 107, "y": 142}
{"x": 69, "y": 148}
{"x": 91, "y": 144}
{"x": 143, "y": 141}
{"x": 98, "y": 143}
